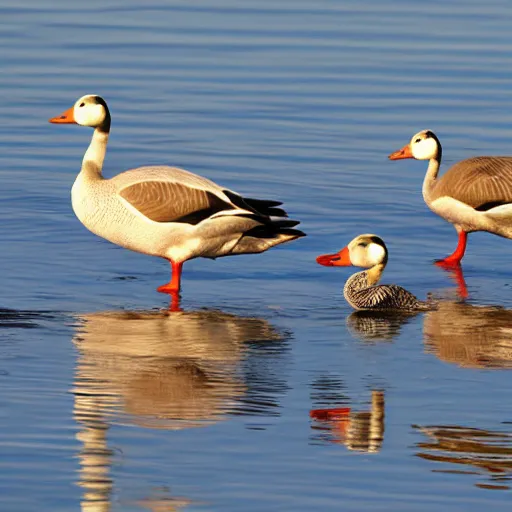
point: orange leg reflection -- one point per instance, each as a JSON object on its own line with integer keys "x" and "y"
{"x": 456, "y": 274}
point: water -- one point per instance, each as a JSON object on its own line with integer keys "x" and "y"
{"x": 267, "y": 392}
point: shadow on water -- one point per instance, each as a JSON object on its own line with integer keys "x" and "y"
{"x": 470, "y": 336}
{"x": 170, "y": 371}
{"x": 358, "y": 430}
{"x": 13, "y": 318}
{"x": 488, "y": 452}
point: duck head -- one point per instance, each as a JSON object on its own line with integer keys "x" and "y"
{"x": 364, "y": 251}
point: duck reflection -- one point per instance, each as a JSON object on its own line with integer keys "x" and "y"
{"x": 487, "y": 452}
{"x": 470, "y": 336}
{"x": 357, "y": 430}
{"x": 377, "y": 325}
{"x": 168, "y": 371}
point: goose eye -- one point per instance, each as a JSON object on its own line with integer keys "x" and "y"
{"x": 82, "y": 104}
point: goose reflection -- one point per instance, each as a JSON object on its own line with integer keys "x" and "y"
{"x": 357, "y": 430}
{"x": 470, "y": 336}
{"x": 168, "y": 371}
{"x": 486, "y": 452}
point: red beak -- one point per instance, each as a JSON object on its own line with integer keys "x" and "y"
{"x": 405, "y": 152}
{"x": 340, "y": 259}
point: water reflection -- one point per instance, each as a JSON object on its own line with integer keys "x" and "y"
{"x": 169, "y": 371}
{"x": 470, "y": 336}
{"x": 487, "y": 452}
{"x": 161, "y": 501}
{"x": 96, "y": 460}
{"x": 95, "y": 457}
{"x": 377, "y": 325}
{"x": 357, "y": 430}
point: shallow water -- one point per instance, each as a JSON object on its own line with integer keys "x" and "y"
{"x": 267, "y": 391}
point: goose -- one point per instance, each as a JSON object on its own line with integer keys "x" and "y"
{"x": 166, "y": 211}
{"x": 474, "y": 194}
{"x": 361, "y": 290}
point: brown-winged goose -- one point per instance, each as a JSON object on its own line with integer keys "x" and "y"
{"x": 165, "y": 211}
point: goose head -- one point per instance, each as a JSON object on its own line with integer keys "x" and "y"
{"x": 90, "y": 110}
{"x": 364, "y": 251}
{"x": 423, "y": 146}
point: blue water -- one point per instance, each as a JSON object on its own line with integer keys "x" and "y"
{"x": 109, "y": 403}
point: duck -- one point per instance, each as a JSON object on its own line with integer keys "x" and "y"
{"x": 362, "y": 290}
{"x": 474, "y": 194}
{"x": 167, "y": 211}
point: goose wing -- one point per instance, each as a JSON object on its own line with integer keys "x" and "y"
{"x": 168, "y": 194}
{"x": 482, "y": 182}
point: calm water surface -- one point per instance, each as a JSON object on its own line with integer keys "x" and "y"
{"x": 267, "y": 392}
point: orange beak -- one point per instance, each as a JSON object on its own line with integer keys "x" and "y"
{"x": 405, "y": 152}
{"x": 67, "y": 117}
{"x": 340, "y": 259}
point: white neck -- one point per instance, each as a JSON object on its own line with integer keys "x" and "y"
{"x": 92, "y": 163}
{"x": 430, "y": 180}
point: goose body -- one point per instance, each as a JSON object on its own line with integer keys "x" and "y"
{"x": 474, "y": 194}
{"x": 166, "y": 211}
{"x": 362, "y": 290}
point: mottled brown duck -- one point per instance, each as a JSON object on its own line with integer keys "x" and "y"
{"x": 362, "y": 290}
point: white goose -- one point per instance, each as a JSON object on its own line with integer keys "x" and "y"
{"x": 165, "y": 211}
{"x": 474, "y": 194}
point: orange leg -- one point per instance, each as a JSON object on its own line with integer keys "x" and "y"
{"x": 173, "y": 286}
{"x": 454, "y": 259}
